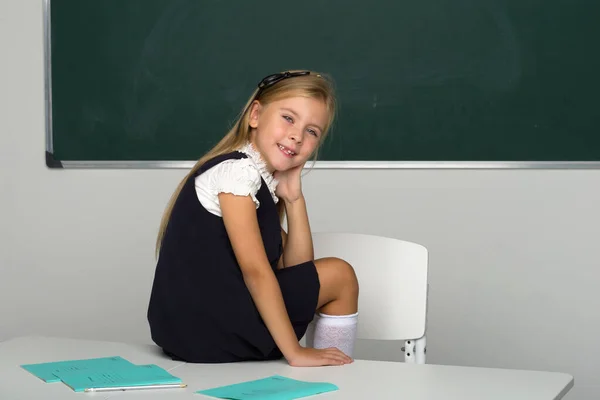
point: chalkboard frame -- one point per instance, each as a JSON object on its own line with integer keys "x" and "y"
{"x": 52, "y": 162}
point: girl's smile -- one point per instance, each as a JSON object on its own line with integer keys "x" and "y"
{"x": 287, "y": 151}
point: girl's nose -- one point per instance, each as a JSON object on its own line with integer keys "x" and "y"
{"x": 296, "y": 135}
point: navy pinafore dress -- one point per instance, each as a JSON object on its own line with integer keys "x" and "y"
{"x": 200, "y": 309}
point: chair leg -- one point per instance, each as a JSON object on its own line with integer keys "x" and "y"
{"x": 421, "y": 350}
{"x": 414, "y": 351}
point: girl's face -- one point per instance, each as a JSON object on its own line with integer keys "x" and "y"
{"x": 287, "y": 132}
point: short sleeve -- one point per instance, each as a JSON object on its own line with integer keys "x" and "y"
{"x": 239, "y": 177}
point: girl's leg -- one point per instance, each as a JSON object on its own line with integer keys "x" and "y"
{"x": 339, "y": 287}
{"x": 337, "y": 317}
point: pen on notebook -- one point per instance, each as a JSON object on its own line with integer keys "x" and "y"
{"x": 164, "y": 386}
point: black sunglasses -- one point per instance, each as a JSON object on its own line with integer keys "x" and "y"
{"x": 274, "y": 78}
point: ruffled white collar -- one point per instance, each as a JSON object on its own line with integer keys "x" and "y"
{"x": 257, "y": 159}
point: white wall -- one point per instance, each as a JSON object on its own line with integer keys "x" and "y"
{"x": 514, "y": 274}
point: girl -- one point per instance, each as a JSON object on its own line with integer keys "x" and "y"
{"x": 230, "y": 284}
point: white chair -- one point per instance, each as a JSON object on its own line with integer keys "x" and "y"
{"x": 392, "y": 277}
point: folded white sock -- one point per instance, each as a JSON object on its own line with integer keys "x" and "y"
{"x": 333, "y": 331}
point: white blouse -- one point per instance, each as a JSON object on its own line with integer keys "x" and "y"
{"x": 241, "y": 177}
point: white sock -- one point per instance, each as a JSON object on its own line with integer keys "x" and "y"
{"x": 333, "y": 331}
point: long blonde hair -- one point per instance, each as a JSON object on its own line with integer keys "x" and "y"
{"x": 313, "y": 85}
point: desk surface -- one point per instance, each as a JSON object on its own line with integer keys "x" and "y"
{"x": 361, "y": 380}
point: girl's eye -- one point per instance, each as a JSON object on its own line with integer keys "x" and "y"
{"x": 288, "y": 119}
{"x": 313, "y": 132}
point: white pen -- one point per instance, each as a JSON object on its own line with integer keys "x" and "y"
{"x": 164, "y": 386}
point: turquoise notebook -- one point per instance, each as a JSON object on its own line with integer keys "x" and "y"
{"x": 48, "y": 371}
{"x": 275, "y": 387}
{"x": 136, "y": 375}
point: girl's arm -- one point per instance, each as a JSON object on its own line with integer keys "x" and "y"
{"x": 298, "y": 245}
{"x": 239, "y": 217}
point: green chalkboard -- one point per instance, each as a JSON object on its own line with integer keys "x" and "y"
{"x": 427, "y": 80}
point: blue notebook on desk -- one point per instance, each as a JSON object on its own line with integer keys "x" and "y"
{"x": 118, "y": 377}
{"x": 48, "y": 372}
{"x": 275, "y": 387}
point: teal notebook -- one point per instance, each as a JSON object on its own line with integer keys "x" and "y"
{"x": 136, "y": 375}
{"x": 275, "y": 387}
{"x": 48, "y": 371}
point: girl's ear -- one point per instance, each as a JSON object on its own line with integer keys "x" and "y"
{"x": 254, "y": 114}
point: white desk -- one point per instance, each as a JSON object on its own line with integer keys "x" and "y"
{"x": 360, "y": 380}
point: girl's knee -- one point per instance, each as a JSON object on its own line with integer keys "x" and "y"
{"x": 348, "y": 276}
{"x": 341, "y": 273}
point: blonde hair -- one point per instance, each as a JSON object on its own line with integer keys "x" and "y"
{"x": 313, "y": 85}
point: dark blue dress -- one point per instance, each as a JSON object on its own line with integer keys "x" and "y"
{"x": 200, "y": 309}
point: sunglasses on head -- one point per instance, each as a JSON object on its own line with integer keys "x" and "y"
{"x": 274, "y": 78}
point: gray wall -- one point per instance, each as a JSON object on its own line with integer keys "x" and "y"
{"x": 514, "y": 274}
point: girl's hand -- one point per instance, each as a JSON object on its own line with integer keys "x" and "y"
{"x": 289, "y": 187}
{"x": 309, "y": 357}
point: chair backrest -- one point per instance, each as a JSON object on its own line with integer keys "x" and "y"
{"x": 392, "y": 278}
